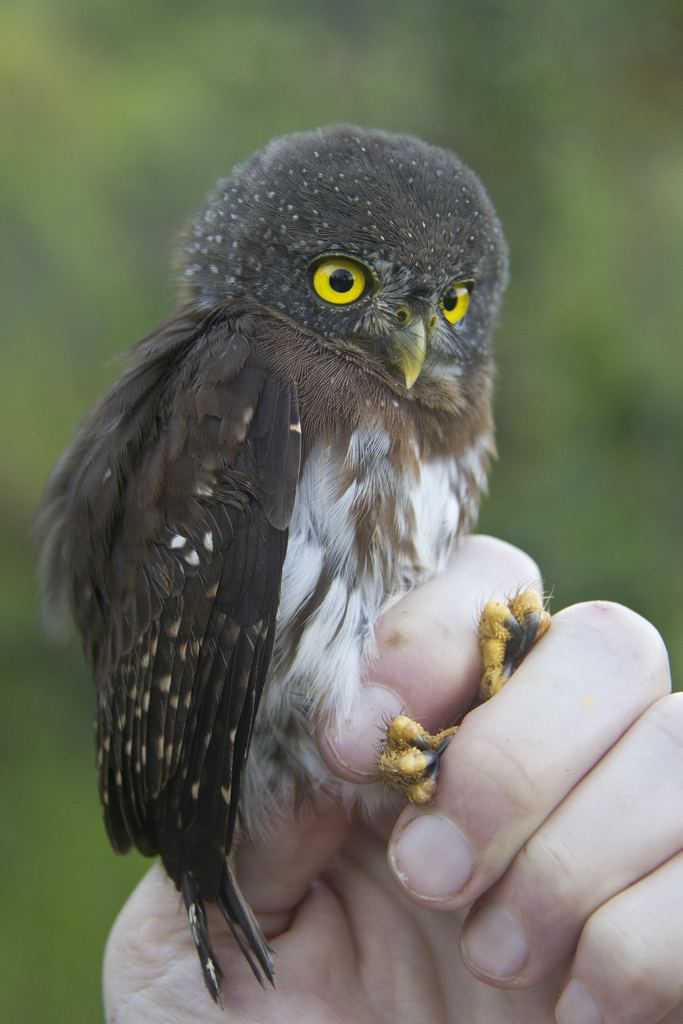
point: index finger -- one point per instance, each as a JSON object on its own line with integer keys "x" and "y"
{"x": 427, "y": 663}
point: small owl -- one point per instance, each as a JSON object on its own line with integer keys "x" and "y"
{"x": 302, "y": 443}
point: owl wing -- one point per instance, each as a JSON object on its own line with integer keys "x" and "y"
{"x": 168, "y": 521}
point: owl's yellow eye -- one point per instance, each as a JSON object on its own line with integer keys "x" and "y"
{"x": 339, "y": 280}
{"x": 454, "y": 302}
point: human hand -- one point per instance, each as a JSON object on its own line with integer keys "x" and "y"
{"x": 563, "y": 793}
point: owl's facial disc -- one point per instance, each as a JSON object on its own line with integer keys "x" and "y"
{"x": 341, "y": 280}
{"x": 404, "y": 324}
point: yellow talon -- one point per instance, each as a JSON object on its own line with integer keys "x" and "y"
{"x": 422, "y": 792}
{"x": 406, "y": 771}
{"x": 506, "y": 634}
{"x": 413, "y": 762}
{"x": 409, "y": 761}
{"x": 403, "y": 731}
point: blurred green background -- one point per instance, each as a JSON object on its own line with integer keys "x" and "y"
{"x": 117, "y": 120}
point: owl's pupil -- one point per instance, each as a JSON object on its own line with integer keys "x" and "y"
{"x": 341, "y": 280}
{"x": 450, "y": 299}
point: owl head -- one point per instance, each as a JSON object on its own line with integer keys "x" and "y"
{"x": 370, "y": 240}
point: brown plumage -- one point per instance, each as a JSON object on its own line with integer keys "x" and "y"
{"x": 272, "y": 448}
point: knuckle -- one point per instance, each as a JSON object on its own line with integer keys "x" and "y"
{"x": 666, "y": 716}
{"x": 607, "y": 932}
{"x": 630, "y": 965}
{"x": 400, "y": 627}
{"x": 628, "y": 634}
{"x": 549, "y": 858}
{"x": 502, "y": 762}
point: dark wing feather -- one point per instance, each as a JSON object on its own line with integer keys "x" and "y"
{"x": 167, "y": 523}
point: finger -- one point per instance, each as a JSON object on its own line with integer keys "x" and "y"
{"x": 627, "y": 969}
{"x": 517, "y": 757}
{"x": 427, "y": 663}
{"x": 616, "y": 827}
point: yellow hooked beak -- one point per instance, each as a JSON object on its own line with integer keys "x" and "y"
{"x": 409, "y": 349}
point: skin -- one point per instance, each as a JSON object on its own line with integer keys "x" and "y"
{"x": 557, "y": 814}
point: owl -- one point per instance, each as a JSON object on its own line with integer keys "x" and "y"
{"x": 300, "y": 444}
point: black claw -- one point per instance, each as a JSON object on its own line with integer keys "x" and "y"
{"x": 522, "y": 639}
{"x": 514, "y": 629}
{"x": 442, "y": 746}
{"x": 532, "y": 621}
{"x": 432, "y": 761}
{"x": 432, "y": 772}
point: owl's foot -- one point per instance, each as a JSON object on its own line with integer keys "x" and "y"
{"x": 409, "y": 759}
{"x": 507, "y": 632}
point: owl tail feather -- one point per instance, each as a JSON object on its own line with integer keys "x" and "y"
{"x": 245, "y": 928}
{"x": 243, "y": 925}
{"x": 211, "y": 968}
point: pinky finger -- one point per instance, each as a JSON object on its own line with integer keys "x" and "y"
{"x": 628, "y": 967}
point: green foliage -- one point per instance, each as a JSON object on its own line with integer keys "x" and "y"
{"x": 117, "y": 120}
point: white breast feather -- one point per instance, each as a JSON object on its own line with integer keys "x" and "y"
{"x": 326, "y": 668}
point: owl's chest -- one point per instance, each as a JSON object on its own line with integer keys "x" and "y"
{"x": 361, "y": 516}
{"x": 362, "y": 533}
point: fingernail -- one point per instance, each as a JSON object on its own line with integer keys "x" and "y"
{"x": 432, "y": 857}
{"x": 493, "y": 944}
{"x": 355, "y": 742}
{"x": 577, "y": 1006}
